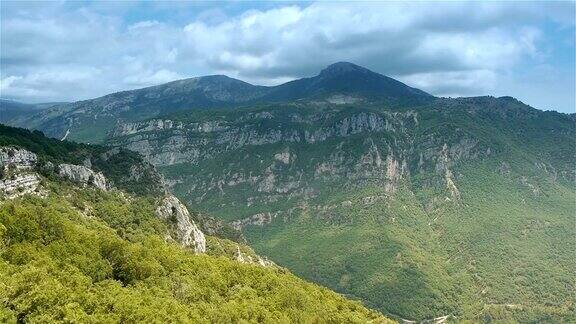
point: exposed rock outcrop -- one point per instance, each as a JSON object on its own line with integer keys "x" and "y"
{"x": 19, "y": 158}
{"x": 285, "y": 157}
{"x": 82, "y": 175}
{"x": 19, "y": 185}
{"x": 444, "y": 164}
{"x": 256, "y": 259}
{"x": 167, "y": 142}
{"x": 185, "y": 230}
{"x": 259, "y": 219}
{"x": 395, "y": 172}
{"x": 17, "y": 177}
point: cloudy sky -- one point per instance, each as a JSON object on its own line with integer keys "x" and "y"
{"x": 65, "y": 51}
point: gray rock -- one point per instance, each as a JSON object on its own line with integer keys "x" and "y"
{"x": 186, "y": 231}
{"x": 17, "y": 177}
{"x": 19, "y": 185}
{"x": 19, "y": 158}
{"x": 82, "y": 175}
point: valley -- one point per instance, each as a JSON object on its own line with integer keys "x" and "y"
{"x": 421, "y": 207}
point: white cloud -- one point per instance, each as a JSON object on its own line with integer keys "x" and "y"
{"x": 7, "y": 82}
{"x": 68, "y": 52}
{"x": 143, "y": 24}
{"x": 454, "y": 84}
{"x": 395, "y": 39}
{"x": 147, "y": 78}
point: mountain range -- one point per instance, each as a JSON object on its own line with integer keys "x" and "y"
{"x": 420, "y": 206}
{"x": 13, "y": 110}
{"x": 93, "y": 119}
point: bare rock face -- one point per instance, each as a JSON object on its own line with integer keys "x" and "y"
{"x": 17, "y": 176}
{"x": 186, "y": 231}
{"x": 450, "y": 184}
{"x": 259, "y": 219}
{"x": 284, "y": 157}
{"x": 82, "y": 175}
{"x": 19, "y": 185}
{"x": 19, "y": 158}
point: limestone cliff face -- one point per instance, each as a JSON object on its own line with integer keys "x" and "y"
{"x": 16, "y": 157}
{"x": 19, "y": 185}
{"x": 166, "y": 142}
{"x": 243, "y": 257}
{"x": 273, "y": 155}
{"x": 82, "y": 175}
{"x": 185, "y": 230}
{"x": 17, "y": 176}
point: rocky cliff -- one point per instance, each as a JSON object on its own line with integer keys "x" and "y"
{"x": 340, "y": 84}
{"x": 17, "y": 177}
{"x": 422, "y": 206}
{"x": 82, "y": 175}
{"x": 185, "y": 230}
{"x": 292, "y": 152}
{"x": 21, "y": 174}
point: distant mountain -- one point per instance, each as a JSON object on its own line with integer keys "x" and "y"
{"x": 339, "y": 83}
{"x": 345, "y": 79}
{"x": 13, "y": 111}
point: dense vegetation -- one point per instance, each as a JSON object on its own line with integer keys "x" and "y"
{"x": 482, "y": 259}
{"x": 91, "y": 256}
{"x": 125, "y": 169}
{"x": 501, "y": 252}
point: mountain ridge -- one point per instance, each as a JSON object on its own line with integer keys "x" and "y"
{"x": 398, "y": 206}
{"x": 332, "y": 85}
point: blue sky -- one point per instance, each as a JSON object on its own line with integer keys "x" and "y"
{"x": 65, "y": 51}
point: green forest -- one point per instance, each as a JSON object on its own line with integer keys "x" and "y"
{"x": 94, "y": 257}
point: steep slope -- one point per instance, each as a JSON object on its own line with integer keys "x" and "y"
{"x": 424, "y": 211}
{"x": 90, "y": 120}
{"x": 62, "y": 263}
{"x": 75, "y": 248}
{"x": 93, "y": 120}
{"x": 124, "y": 169}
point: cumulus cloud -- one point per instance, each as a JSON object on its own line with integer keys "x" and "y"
{"x": 62, "y": 52}
{"x": 396, "y": 39}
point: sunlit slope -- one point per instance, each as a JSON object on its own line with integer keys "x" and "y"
{"x": 61, "y": 262}
{"x": 502, "y": 252}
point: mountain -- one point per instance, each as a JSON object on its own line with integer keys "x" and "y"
{"x": 422, "y": 207}
{"x": 345, "y": 79}
{"x": 75, "y": 246}
{"x": 14, "y": 111}
{"x": 460, "y": 207}
{"x": 93, "y": 120}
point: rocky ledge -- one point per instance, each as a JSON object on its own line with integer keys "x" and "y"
{"x": 82, "y": 175}
{"x": 17, "y": 177}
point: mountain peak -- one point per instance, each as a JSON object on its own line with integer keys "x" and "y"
{"x": 342, "y": 68}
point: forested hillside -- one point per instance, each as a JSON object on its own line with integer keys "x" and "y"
{"x": 75, "y": 250}
{"x": 92, "y": 258}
